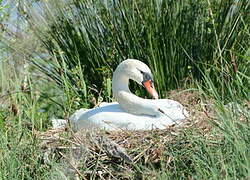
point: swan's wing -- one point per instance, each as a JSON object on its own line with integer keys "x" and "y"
{"x": 113, "y": 117}
{"x": 106, "y": 104}
{"x": 173, "y": 109}
{"x": 78, "y": 113}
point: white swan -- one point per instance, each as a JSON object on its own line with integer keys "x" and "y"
{"x": 130, "y": 111}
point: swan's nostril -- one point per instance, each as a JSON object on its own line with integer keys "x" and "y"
{"x": 154, "y": 93}
{"x": 155, "y": 96}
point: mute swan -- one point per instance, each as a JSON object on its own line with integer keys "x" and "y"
{"x": 130, "y": 111}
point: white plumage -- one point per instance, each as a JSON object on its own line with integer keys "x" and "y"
{"x": 130, "y": 112}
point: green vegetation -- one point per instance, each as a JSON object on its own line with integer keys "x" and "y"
{"x": 178, "y": 40}
{"x": 200, "y": 46}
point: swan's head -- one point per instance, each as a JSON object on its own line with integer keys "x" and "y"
{"x": 139, "y": 72}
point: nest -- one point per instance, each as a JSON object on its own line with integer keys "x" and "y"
{"x": 117, "y": 154}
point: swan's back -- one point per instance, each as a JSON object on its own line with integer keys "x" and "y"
{"x": 111, "y": 116}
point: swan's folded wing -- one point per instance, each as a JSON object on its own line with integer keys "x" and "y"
{"x": 173, "y": 109}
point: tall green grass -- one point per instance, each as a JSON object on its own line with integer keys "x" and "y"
{"x": 223, "y": 152}
{"x": 183, "y": 42}
{"x": 25, "y": 109}
{"x": 220, "y": 153}
{"x": 179, "y": 40}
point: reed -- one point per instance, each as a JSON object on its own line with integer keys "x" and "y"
{"x": 179, "y": 40}
{"x": 202, "y": 44}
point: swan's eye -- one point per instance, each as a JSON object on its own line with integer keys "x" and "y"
{"x": 141, "y": 71}
{"x": 147, "y": 77}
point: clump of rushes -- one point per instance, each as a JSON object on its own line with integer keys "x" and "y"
{"x": 206, "y": 42}
{"x": 179, "y": 40}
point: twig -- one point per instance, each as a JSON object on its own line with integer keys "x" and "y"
{"x": 75, "y": 168}
{"x": 108, "y": 171}
{"x": 136, "y": 158}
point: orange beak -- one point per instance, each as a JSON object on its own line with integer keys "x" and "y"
{"x": 150, "y": 88}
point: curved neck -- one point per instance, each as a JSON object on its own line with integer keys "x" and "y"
{"x": 127, "y": 100}
{"x": 120, "y": 82}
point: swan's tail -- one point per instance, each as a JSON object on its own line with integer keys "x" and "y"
{"x": 59, "y": 123}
